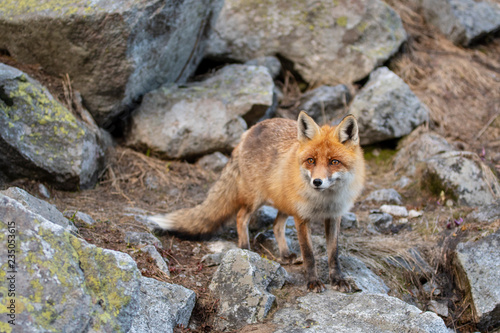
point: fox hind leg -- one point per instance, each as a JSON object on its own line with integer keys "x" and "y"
{"x": 242, "y": 220}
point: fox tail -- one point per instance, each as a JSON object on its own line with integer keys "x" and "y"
{"x": 204, "y": 219}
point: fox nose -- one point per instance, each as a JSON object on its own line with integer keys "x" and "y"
{"x": 317, "y": 182}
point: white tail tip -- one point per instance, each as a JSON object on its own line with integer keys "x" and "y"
{"x": 163, "y": 221}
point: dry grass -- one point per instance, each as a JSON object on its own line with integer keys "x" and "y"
{"x": 460, "y": 85}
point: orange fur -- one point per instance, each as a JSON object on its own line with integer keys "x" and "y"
{"x": 280, "y": 162}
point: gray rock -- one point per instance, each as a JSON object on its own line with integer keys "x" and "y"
{"x": 174, "y": 119}
{"x": 41, "y": 139}
{"x": 62, "y": 283}
{"x": 325, "y": 103}
{"x": 349, "y": 221}
{"x": 386, "y": 195}
{"x": 219, "y": 249}
{"x": 386, "y": 108}
{"x": 463, "y": 176}
{"x": 463, "y": 21}
{"x": 39, "y": 207}
{"x": 394, "y": 210}
{"x": 158, "y": 259}
{"x": 79, "y": 217}
{"x": 440, "y": 308}
{"x": 431, "y": 289}
{"x": 162, "y": 307}
{"x": 142, "y": 238}
{"x": 215, "y": 161}
{"x": 361, "y": 312}
{"x": 402, "y": 182}
{"x": 328, "y": 42}
{"x": 243, "y": 283}
{"x": 44, "y": 191}
{"x": 381, "y": 221}
{"x": 114, "y": 51}
{"x": 263, "y": 218}
{"x": 487, "y": 213}
{"x": 417, "y": 148}
{"x": 272, "y": 64}
{"x": 478, "y": 274}
{"x": 355, "y": 271}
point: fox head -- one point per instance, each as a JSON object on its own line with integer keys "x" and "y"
{"x": 329, "y": 157}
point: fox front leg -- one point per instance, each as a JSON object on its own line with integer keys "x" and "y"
{"x": 303, "y": 233}
{"x": 332, "y": 229}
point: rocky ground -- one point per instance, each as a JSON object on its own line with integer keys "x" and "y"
{"x": 411, "y": 255}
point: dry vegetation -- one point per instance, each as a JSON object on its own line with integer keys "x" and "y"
{"x": 462, "y": 89}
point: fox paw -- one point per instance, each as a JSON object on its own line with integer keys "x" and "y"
{"x": 316, "y": 286}
{"x": 343, "y": 285}
{"x": 288, "y": 259}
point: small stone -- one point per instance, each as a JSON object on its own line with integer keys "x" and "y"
{"x": 402, "y": 182}
{"x": 381, "y": 221}
{"x": 394, "y": 210}
{"x": 244, "y": 282}
{"x": 142, "y": 238}
{"x": 414, "y": 213}
{"x": 161, "y": 263}
{"x": 79, "y": 217}
{"x": 42, "y": 189}
{"x": 439, "y": 308}
{"x": 349, "y": 221}
{"x": 214, "y": 162}
{"x": 386, "y": 195}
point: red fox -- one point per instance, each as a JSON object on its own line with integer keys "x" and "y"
{"x": 303, "y": 170}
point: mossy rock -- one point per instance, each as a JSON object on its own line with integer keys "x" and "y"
{"x": 63, "y": 284}
{"x": 41, "y": 139}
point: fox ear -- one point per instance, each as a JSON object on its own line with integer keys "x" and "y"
{"x": 348, "y": 130}
{"x": 307, "y": 128}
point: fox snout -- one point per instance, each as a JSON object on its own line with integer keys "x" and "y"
{"x": 324, "y": 183}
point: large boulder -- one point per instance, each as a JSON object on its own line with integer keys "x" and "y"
{"x": 41, "y": 139}
{"x": 386, "y": 108}
{"x": 361, "y": 312}
{"x": 463, "y": 21}
{"x": 487, "y": 213}
{"x": 243, "y": 283}
{"x": 462, "y": 176}
{"x": 478, "y": 274}
{"x": 162, "y": 307}
{"x": 325, "y": 103}
{"x": 355, "y": 271}
{"x": 329, "y": 42}
{"x": 417, "y": 148}
{"x": 60, "y": 283}
{"x": 202, "y": 117}
{"x": 114, "y": 51}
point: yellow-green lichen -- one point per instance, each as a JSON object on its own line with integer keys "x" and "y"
{"x": 362, "y": 27}
{"x": 104, "y": 281}
{"x": 5, "y": 327}
{"x": 342, "y": 21}
{"x": 66, "y": 7}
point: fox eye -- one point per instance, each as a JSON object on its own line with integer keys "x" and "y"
{"x": 334, "y": 162}
{"x": 310, "y": 161}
